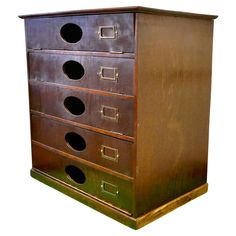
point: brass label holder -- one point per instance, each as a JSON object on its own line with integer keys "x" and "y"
{"x": 102, "y": 35}
{"x": 115, "y": 113}
{"x": 114, "y": 151}
{"x": 114, "y": 72}
{"x": 109, "y": 188}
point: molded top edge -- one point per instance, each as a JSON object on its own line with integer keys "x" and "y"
{"x": 132, "y": 9}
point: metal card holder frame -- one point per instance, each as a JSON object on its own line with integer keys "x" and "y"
{"x": 114, "y": 157}
{"x": 114, "y": 72}
{"x": 104, "y": 187}
{"x": 102, "y": 36}
{"x": 114, "y": 118}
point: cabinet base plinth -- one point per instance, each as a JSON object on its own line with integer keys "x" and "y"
{"x": 123, "y": 218}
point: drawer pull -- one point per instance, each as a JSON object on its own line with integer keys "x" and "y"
{"x": 109, "y": 188}
{"x": 107, "y": 32}
{"x": 75, "y": 142}
{"x": 73, "y": 70}
{"x": 109, "y": 113}
{"x": 74, "y": 105}
{"x": 71, "y": 33}
{"x": 108, "y": 73}
{"x": 75, "y": 174}
{"x": 109, "y": 153}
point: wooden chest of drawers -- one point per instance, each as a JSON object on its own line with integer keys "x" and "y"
{"x": 119, "y": 106}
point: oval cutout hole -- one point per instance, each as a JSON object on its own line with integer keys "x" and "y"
{"x": 71, "y": 33}
{"x": 75, "y": 141}
{"x": 74, "y": 105}
{"x": 73, "y": 69}
{"x": 75, "y": 174}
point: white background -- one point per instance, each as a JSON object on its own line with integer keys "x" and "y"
{"x": 28, "y": 207}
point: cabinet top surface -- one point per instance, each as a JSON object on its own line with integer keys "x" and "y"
{"x": 132, "y": 9}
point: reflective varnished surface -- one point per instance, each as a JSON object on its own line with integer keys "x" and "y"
{"x": 119, "y": 102}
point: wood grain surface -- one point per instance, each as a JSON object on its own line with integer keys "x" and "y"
{"x": 173, "y": 86}
{"x": 44, "y": 33}
{"x": 134, "y": 9}
{"x": 133, "y": 145}
{"x": 47, "y": 67}
{"x": 49, "y": 99}
{"x": 43, "y": 130}
{"x": 54, "y": 165}
{"x": 118, "y": 214}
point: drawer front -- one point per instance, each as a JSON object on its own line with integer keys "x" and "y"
{"x": 103, "y": 150}
{"x": 100, "y": 73}
{"x": 113, "y": 32}
{"x": 105, "y": 112}
{"x": 113, "y": 190}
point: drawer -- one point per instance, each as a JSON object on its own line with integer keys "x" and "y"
{"x": 100, "y": 73}
{"x": 103, "y": 150}
{"x": 106, "y": 187}
{"x": 105, "y": 112}
{"x": 112, "y": 32}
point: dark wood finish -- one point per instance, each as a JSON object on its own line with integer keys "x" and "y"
{"x": 85, "y": 162}
{"x": 49, "y": 99}
{"x": 84, "y": 53}
{"x": 140, "y": 133}
{"x": 170, "y": 206}
{"x": 134, "y": 9}
{"x": 54, "y": 165}
{"x": 49, "y": 68}
{"x": 38, "y": 28}
{"x": 101, "y": 131}
{"x": 43, "y": 130}
{"x": 113, "y": 212}
{"x": 174, "y": 79}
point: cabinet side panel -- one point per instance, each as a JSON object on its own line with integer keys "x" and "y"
{"x": 174, "y": 80}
